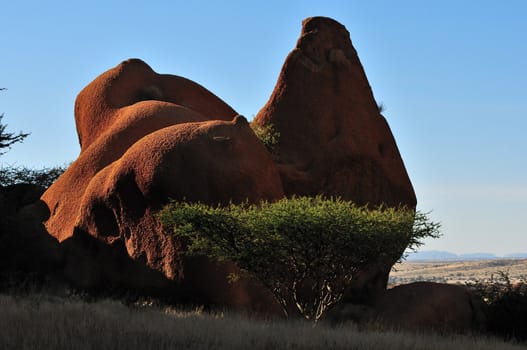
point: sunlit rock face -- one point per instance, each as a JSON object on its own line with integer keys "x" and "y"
{"x": 146, "y": 138}
{"x": 332, "y": 139}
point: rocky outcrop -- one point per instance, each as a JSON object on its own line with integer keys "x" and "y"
{"x": 428, "y": 305}
{"x": 147, "y": 138}
{"x": 418, "y": 306}
{"x": 333, "y": 140}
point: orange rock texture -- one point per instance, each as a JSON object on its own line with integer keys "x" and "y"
{"x": 147, "y": 138}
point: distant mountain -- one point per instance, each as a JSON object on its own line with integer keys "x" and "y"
{"x": 444, "y": 255}
{"x": 477, "y": 256}
{"x": 516, "y": 256}
{"x": 431, "y": 255}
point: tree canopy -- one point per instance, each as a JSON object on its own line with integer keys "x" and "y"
{"x": 7, "y": 139}
{"x": 306, "y": 250}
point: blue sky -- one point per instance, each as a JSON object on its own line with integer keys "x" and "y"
{"x": 452, "y": 75}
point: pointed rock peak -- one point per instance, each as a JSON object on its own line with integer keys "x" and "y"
{"x": 333, "y": 141}
{"x": 240, "y": 120}
{"x": 325, "y": 40}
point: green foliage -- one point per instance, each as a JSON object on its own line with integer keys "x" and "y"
{"x": 17, "y": 175}
{"x": 306, "y": 250}
{"x": 268, "y": 135}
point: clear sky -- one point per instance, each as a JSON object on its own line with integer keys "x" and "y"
{"x": 452, "y": 75}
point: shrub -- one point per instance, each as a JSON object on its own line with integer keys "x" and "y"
{"x": 7, "y": 139}
{"x": 10, "y": 175}
{"x": 268, "y": 135}
{"x": 506, "y": 304}
{"x": 306, "y": 250}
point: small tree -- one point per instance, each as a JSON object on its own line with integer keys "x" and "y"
{"x": 12, "y": 175}
{"x": 267, "y": 135}
{"x": 306, "y": 250}
{"x": 7, "y": 139}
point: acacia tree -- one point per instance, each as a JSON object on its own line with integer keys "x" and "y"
{"x": 306, "y": 250}
{"x": 7, "y": 139}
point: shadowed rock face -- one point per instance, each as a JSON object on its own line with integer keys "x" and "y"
{"x": 428, "y": 305}
{"x": 418, "y": 306}
{"x": 333, "y": 141}
{"x": 146, "y": 138}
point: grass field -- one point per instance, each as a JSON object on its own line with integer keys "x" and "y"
{"x": 457, "y": 271}
{"x": 40, "y": 322}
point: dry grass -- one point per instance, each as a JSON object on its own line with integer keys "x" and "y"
{"x": 40, "y": 322}
{"x": 457, "y": 271}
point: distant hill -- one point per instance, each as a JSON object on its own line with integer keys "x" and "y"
{"x": 517, "y": 256}
{"x": 477, "y": 256}
{"x": 444, "y": 255}
{"x": 432, "y": 255}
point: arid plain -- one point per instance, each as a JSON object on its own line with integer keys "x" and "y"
{"x": 454, "y": 271}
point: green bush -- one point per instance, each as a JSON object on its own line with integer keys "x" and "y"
{"x": 268, "y": 135}
{"x": 306, "y": 250}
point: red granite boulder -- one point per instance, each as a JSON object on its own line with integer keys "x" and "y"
{"x": 418, "y": 306}
{"x": 428, "y": 305}
{"x": 147, "y": 138}
{"x": 113, "y": 97}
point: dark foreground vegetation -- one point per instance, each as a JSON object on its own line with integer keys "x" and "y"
{"x": 506, "y": 305}
{"x": 43, "y": 322}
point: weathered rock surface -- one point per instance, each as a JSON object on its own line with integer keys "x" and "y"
{"x": 109, "y": 104}
{"x": 146, "y": 138}
{"x": 333, "y": 140}
{"x": 418, "y": 306}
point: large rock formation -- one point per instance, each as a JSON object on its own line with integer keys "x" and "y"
{"x": 332, "y": 138}
{"x": 146, "y": 138}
